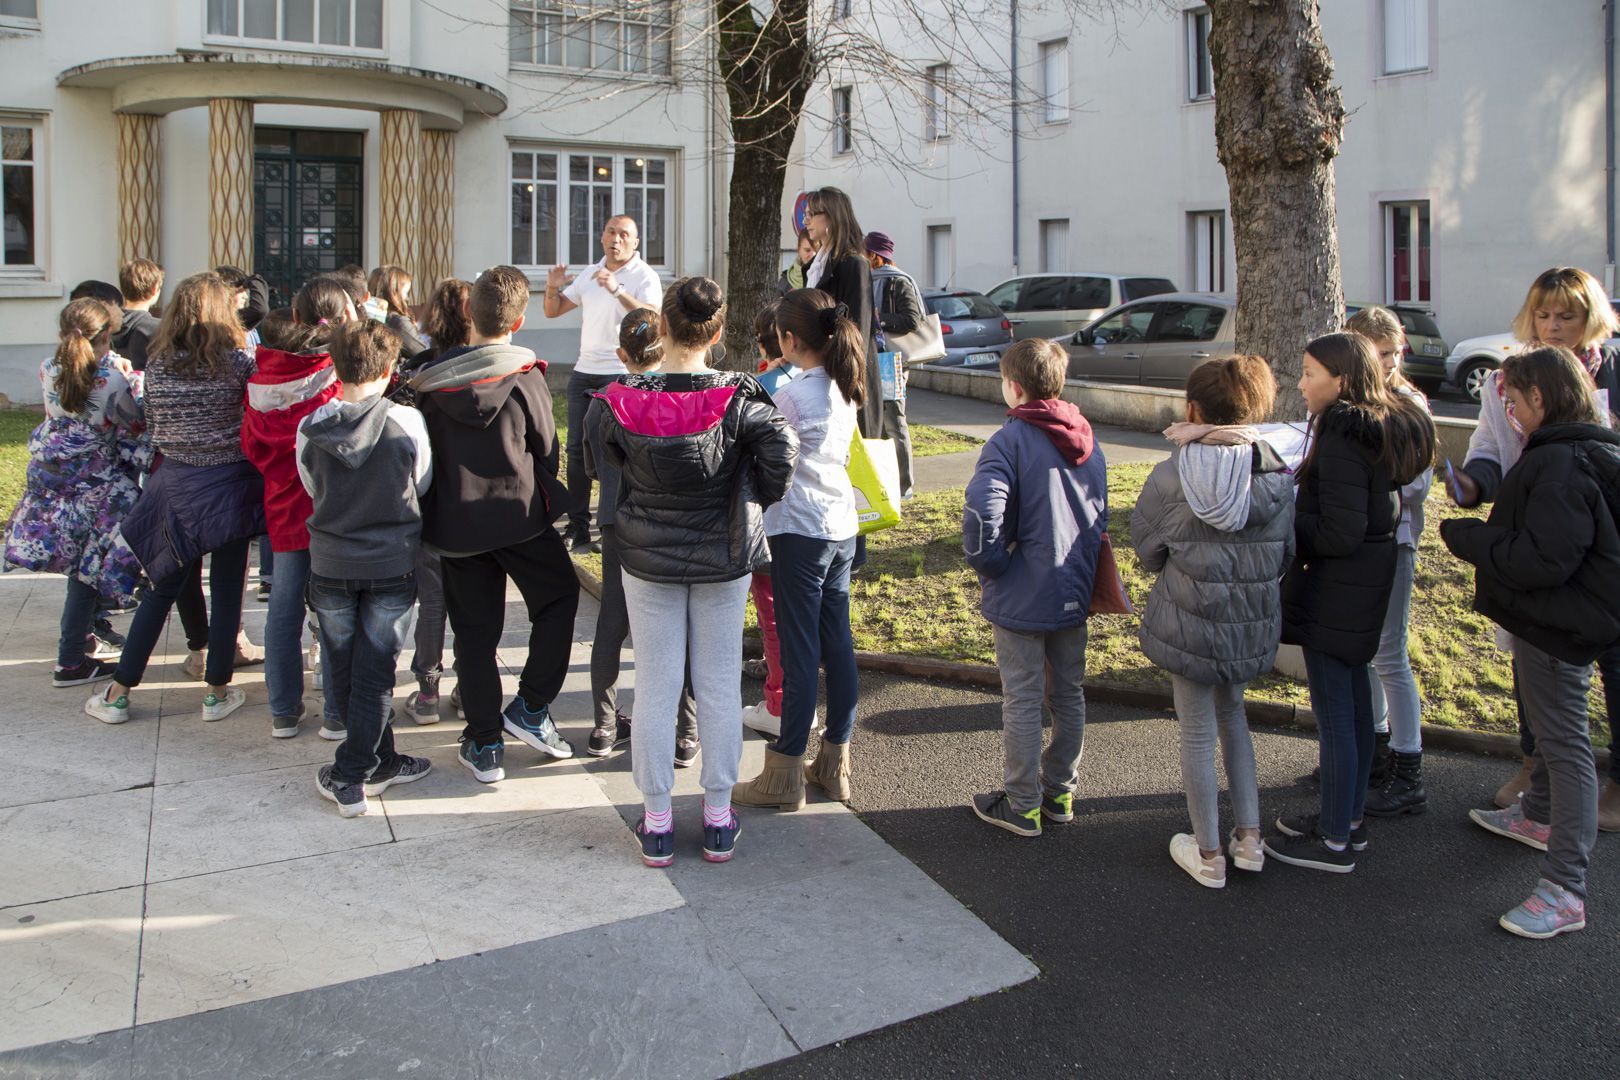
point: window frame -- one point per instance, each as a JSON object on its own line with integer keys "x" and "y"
{"x": 1054, "y": 111}
{"x": 843, "y": 119}
{"x": 21, "y": 22}
{"x": 38, "y": 270}
{"x": 218, "y": 40}
{"x": 1044, "y": 230}
{"x": 617, "y": 205}
{"x": 623, "y": 13}
{"x": 1214, "y": 259}
{"x": 1199, "y": 62}
{"x": 932, "y": 229}
{"x": 1425, "y": 52}
{"x": 1419, "y": 271}
{"x": 842, "y": 9}
{"x": 937, "y": 104}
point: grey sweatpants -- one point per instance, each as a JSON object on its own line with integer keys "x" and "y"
{"x": 668, "y": 623}
{"x": 1044, "y": 669}
{"x": 1206, "y": 714}
{"x": 1563, "y": 785}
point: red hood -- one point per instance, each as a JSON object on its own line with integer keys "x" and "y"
{"x": 1061, "y": 422}
{"x": 285, "y": 388}
{"x": 667, "y": 413}
{"x": 274, "y": 365}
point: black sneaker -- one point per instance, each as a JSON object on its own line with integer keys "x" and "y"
{"x": 998, "y": 810}
{"x": 285, "y": 727}
{"x": 264, "y": 592}
{"x": 1311, "y": 852}
{"x": 403, "y": 770}
{"x": 657, "y": 848}
{"x": 1306, "y": 824}
{"x": 350, "y": 798}
{"x": 1059, "y": 807}
{"x": 605, "y": 740}
{"x": 582, "y": 544}
{"x": 535, "y": 728}
{"x": 103, "y": 629}
{"x": 484, "y": 762}
{"x": 720, "y": 841}
{"x": 88, "y": 671}
{"x": 686, "y": 752}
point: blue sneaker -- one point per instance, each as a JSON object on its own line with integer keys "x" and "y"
{"x": 1551, "y": 910}
{"x": 483, "y": 761}
{"x": 720, "y": 841}
{"x": 535, "y": 729}
{"x": 657, "y": 848}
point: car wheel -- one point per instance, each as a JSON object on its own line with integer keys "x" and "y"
{"x": 1472, "y": 378}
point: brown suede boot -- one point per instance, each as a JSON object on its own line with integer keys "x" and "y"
{"x": 1508, "y": 794}
{"x": 830, "y": 771}
{"x": 779, "y": 786}
{"x": 1609, "y": 807}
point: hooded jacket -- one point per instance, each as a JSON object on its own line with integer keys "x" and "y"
{"x": 1217, "y": 522}
{"x": 488, "y": 415}
{"x": 365, "y": 464}
{"x": 701, "y": 455}
{"x": 1034, "y": 517}
{"x": 1336, "y": 592}
{"x": 286, "y": 388}
{"x": 1548, "y": 558}
{"x": 130, "y": 340}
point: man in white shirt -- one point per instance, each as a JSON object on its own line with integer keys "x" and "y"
{"x": 621, "y": 282}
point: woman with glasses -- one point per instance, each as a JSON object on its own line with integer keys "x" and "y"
{"x": 840, "y": 270}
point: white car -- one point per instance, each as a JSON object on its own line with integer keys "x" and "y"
{"x": 1473, "y": 359}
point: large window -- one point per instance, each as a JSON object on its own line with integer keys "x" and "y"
{"x": 1054, "y": 245}
{"x": 620, "y": 36}
{"x": 1208, "y": 250}
{"x": 562, "y": 199}
{"x": 1200, "y": 72}
{"x": 19, "y": 12}
{"x": 937, "y": 84}
{"x": 19, "y": 169}
{"x": 1406, "y": 253}
{"x": 843, "y": 120}
{"x": 1406, "y": 36}
{"x": 348, "y": 24}
{"x": 1055, "y": 81}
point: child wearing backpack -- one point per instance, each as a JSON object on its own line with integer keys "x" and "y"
{"x": 1217, "y": 521}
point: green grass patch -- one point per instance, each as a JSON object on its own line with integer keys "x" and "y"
{"x": 929, "y": 441}
{"x": 15, "y": 427}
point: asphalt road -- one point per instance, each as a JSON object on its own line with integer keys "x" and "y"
{"x": 1396, "y": 970}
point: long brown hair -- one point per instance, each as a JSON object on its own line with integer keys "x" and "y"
{"x": 321, "y": 307}
{"x": 445, "y": 322}
{"x": 844, "y": 235}
{"x": 199, "y": 328}
{"x": 82, "y": 324}
{"x": 391, "y": 283}
{"x": 1566, "y": 388}
{"x": 824, "y": 327}
{"x": 1407, "y": 446}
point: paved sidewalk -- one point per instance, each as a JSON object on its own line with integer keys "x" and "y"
{"x": 176, "y": 900}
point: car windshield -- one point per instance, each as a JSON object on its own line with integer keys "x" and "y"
{"x": 1418, "y": 324}
{"x": 961, "y": 306}
{"x": 1137, "y": 287}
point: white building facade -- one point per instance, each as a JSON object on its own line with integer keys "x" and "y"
{"x": 1474, "y": 153}
{"x": 294, "y": 136}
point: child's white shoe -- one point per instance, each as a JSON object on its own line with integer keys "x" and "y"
{"x": 1210, "y": 873}
{"x": 1246, "y": 853}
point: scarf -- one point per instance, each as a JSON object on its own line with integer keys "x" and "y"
{"x": 818, "y": 270}
{"x": 1212, "y": 434}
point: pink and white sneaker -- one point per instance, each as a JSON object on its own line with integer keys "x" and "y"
{"x": 1512, "y": 824}
{"x": 1551, "y": 910}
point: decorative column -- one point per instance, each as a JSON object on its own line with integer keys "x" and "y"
{"x": 137, "y": 167}
{"x": 230, "y": 183}
{"x": 401, "y": 188}
{"x": 437, "y": 254}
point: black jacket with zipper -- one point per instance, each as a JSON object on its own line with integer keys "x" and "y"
{"x": 849, "y": 281}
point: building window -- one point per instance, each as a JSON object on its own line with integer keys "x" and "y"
{"x": 1055, "y": 81}
{"x": 941, "y": 256}
{"x": 1406, "y": 253}
{"x": 346, "y": 24}
{"x": 24, "y": 13}
{"x": 562, "y": 199}
{"x": 1406, "y": 36}
{"x": 843, "y": 120}
{"x": 939, "y": 113}
{"x": 1208, "y": 251}
{"x": 19, "y": 174}
{"x": 1054, "y": 245}
{"x": 1200, "y": 72}
{"x": 842, "y": 9}
{"x": 622, "y": 36}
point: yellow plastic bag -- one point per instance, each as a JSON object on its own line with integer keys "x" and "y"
{"x": 874, "y": 472}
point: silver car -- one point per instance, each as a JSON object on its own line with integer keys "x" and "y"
{"x": 1154, "y": 342}
{"x": 1052, "y": 305}
{"x": 976, "y": 332}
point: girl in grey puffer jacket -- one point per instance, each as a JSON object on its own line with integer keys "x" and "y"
{"x": 1217, "y": 519}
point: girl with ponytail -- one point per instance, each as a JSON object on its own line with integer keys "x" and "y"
{"x": 812, "y": 540}
{"x": 79, "y": 485}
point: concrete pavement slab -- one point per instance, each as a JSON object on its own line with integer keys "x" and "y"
{"x": 68, "y": 967}
{"x": 106, "y": 835}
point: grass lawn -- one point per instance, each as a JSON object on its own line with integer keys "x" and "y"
{"x": 15, "y": 427}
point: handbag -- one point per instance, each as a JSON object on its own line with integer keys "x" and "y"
{"x": 922, "y": 344}
{"x": 1108, "y": 596}
{"x": 874, "y": 473}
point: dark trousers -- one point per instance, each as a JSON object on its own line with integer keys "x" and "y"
{"x": 895, "y": 427}
{"x": 1341, "y": 697}
{"x": 607, "y": 649}
{"x": 1608, "y": 666}
{"x": 192, "y": 608}
{"x": 363, "y": 624}
{"x": 580, "y": 389}
{"x": 428, "y": 662}
{"x": 475, "y": 598}
{"x": 227, "y": 572}
{"x": 810, "y": 580}
{"x": 78, "y": 616}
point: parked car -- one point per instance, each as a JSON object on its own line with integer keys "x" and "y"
{"x": 976, "y": 332}
{"x": 1424, "y": 361}
{"x": 1155, "y": 342}
{"x": 1052, "y": 305}
{"x": 1474, "y": 358}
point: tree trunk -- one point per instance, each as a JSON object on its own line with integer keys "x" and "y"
{"x": 1279, "y": 121}
{"x": 753, "y": 222}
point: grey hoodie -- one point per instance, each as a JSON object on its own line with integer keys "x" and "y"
{"x": 365, "y": 464}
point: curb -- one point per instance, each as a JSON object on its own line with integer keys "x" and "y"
{"x": 1277, "y": 714}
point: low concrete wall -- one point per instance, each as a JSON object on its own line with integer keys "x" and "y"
{"x": 1453, "y": 436}
{"x": 1140, "y": 408}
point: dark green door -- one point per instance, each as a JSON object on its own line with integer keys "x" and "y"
{"x": 308, "y": 203}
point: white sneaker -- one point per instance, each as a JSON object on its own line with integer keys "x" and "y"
{"x": 1210, "y": 873}
{"x": 219, "y": 706}
{"x": 760, "y": 719}
{"x": 115, "y": 711}
{"x": 1247, "y": 854}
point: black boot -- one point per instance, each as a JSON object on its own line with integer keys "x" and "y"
{"x": 1381, "y": 762}
{"x": 1402, "y": 792}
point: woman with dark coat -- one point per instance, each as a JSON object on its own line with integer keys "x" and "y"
{"x": 840, "y": 269}
{"x": 1366, "y": 442}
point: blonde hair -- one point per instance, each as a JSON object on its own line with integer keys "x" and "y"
{"x": 81, "y": 323}
{"x": 1572, "y": 289}
{"x": 1038, "y": 365}
{"x": 1380, "y": 326}
{"x": 200, "y": 328}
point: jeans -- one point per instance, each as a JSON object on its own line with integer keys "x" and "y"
{"x": 284, "y": 634}
{"x": 1208, "y": 714}
{"x": 810, "y": 583}
{"x": 78, "y": 614}
{"x": 580, "y": 389}
{"x": 1395, "y": 702}
{"x": 267, "y": 560}
{"x": 1608, "y": 666}
{"x": 607, "y": 648}
{"x": 363, "y": 625}
{"x": 227, "y": 572}
{"x": 1040, "y": 670}
{"x": 1563, "y": 785}
{"x": 762, "y": 591}
{"x": 896, "y": 428}
{"x": 427, "y": 662}
{"x": 475, "y": 597}
{"x": 192, "y": 608}
{"x": 1341, "y": 697}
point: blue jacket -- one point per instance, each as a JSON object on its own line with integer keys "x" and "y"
{"x": 1033, "y": 522}
{"x": 186, "y": 511}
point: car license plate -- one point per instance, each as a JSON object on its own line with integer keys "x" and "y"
{"x": 983, "y": 358}
{"x": 1433, "y": 350}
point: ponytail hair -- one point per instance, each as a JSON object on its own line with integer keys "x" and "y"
{"x": 77, "y": 360}
{"x": 824, "y": 327}
{"x": 694, "y": 312}
{"x": 321, "y": 307}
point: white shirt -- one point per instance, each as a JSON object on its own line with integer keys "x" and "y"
{"x": 821, "y": 502}
{"x": 601, "y": 313}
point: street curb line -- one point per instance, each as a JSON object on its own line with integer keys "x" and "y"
{"x": 1278, "y": 714}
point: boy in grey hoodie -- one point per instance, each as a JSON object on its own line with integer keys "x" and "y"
{"x": 365, "y": 462}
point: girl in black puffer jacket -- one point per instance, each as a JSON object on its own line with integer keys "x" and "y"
{"x": 1367, "y": 441}
{"x": 702, "y": 452}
